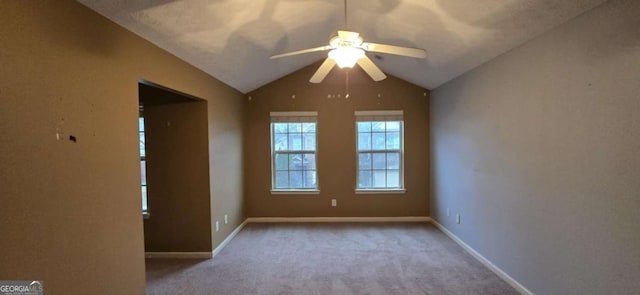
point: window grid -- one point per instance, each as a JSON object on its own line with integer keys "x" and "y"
{"x": 379, "y": 154}
{"x": 294, "y": 156}
{"x": 143, "y": 163}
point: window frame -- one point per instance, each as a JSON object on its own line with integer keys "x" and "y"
{"x": 380, "y": 116}
{"x": 293, "y": 117}
{"x": 143, "y": 162}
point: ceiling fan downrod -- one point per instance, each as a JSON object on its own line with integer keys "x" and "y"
{"x": 345, "y": 14}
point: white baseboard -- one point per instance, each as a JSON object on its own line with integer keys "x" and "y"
{"x": 196, "y": 255}
{"x": 507, "y": 278}
{"x": 341, "y": 219}
{"x": 182, "y": 255}
{"x": 228, "y": 239}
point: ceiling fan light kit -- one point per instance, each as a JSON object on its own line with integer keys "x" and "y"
{"x": 346, "y": 57}
{"x": 348, "y": 48}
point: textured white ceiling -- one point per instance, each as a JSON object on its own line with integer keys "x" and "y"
{"x": 233, "y": 39}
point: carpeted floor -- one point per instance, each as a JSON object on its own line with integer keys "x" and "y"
{"x": 330, "y": 258}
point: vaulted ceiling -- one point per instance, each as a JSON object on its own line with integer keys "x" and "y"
{"x": 232, "y": 39}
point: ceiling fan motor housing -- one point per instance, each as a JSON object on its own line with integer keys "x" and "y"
{"x": 337, "y": 42}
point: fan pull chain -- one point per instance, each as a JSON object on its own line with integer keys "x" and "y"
{"x": 347, "y": 83}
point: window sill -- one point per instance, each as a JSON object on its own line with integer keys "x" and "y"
{"x": 380, "y": 191}
{"x": 295, "y": 192}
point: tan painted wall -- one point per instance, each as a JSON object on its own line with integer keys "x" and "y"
{"x": 336, "y": 145}
{"x": 539, "y": 151}
{"x": 70, "y": 212}
{"x": 177, "y": 178}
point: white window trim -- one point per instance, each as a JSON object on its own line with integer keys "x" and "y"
{"x": 388, "y": 115}
{"x": 293, "y": 191}
{"x": 293, "y": 114}
{"x": 379, "y": 113}
{"x": 367, "y": 191}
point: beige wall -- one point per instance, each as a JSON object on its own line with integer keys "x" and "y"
{"x": 70, "y": 212}
{"x": 177, "y": 178}
{"x": 336, "y": 145}
{"x": 539, "y": 151}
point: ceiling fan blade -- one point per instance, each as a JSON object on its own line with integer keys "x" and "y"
{"x": 348, "y": 35}
{"x": 321, "y": 48}
{"x": 323, "y": 70}
{"x": 392, "y": 49}
{"x": 368, "y": 66}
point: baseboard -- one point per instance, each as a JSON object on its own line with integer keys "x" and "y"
{"x": 197, "y": 255}
{"x": 182, "y": 255}
{"x": 499, "y": 272}
{"x": 341, "y": 219}
{"x": 228, "y": 239}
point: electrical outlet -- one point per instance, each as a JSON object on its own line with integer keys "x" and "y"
{"x": 448, "y": 212}
{"x": 217, "y": 225}
{"x": 334, "y": 203}
{"x": 458, "y": 218}
{"x": 226, "y": 219}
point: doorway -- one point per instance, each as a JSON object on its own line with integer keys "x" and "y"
{"x": 174, "y": 162}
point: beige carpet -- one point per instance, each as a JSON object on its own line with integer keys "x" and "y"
{"x": 330, "y": 258}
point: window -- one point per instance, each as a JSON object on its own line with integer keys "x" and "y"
{"x": 293, "y": 152}
{"x": 380, "y": 150}
{"x": 143, "y": 163}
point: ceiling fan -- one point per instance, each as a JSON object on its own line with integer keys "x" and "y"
{"x": 348, "y": 48}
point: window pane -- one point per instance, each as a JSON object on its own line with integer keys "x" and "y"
{"x": 295, "y": 127}
{"x": 364, "y": 141}
{"x": 309, "y": 127}
{"x": 393, "y": 126}
{"x": 282, "y": 179}
{"x": 379, "y": 179}
{"x": 309, "y": 162}
{"x": 377, "y": 126}
{"x": 295, "y": 161}
{"x": 143, "y": 172}
{"x": 295, "y": 170}
{"x": 142, "y": 145}
{"x": 377, "y": 141}
{"x": 295, "y": 142}
{"x": 393, "y": 140}
{"x": 144, "y": 198}
{"x": 310, "y": 179}
{"x": 280, "y": 127}
{"x": 364, "y": 161}
{"x": 379, "y": 161}
{"x": 282, "y": 162}
{"x": 141, "y": 124}
{"x": 364, "y": 179}
{"x": 309, "y": 143}
{"x": 393, "y": 178}
{"x": 295, "y": 179}
{"x": 393, "y": 160}
{"x": 364, "y": 126}
{"x": 280, "y": 142}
